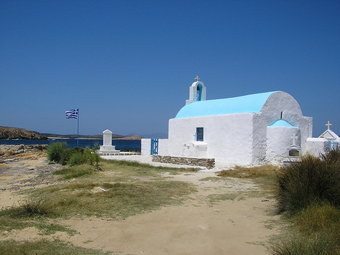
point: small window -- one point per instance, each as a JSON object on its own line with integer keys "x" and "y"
{"x": 199, "y": 134}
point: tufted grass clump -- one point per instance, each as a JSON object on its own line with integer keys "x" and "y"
{"x": 309, "y": 195}
{"x": 313, "y": 180}
{"x": 43, "y": 246}
{"x": 314, "y": 230}
{"x": 74, "y": 172}
{"x": 28, "y": 209}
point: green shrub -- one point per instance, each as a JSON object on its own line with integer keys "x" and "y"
{"x": 313, "y": 180}
{"x": 95, "y": 147}
{"x": 96, "y": 159}
{"x": 55, "y": 151}
{"x": 68, "y": 154}
{"x": 59, "y": 153}
{"x": 76, "y": 159}
{"x": 88, "y": 156}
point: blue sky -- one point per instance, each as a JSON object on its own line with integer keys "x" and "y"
{"x": 127, "y": 65}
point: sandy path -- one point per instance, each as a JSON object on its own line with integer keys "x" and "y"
{"x": 195, "y": 227}
{"x": 227, "y": 228}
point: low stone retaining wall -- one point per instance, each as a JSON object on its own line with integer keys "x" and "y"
{"x": 205, "y": 162}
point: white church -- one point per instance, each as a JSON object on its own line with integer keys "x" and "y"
{"x": 247, "y": 130}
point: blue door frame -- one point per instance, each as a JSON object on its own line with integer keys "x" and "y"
{"x": 333, "y": 145}
{"x": 154, "y": 146}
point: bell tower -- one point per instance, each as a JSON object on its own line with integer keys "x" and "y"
{"x": 197, "y": 92}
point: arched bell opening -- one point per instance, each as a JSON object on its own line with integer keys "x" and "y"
{"x": 199, "y": 92}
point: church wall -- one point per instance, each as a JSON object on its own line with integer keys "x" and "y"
{"x": 228, "y": 137}
{"x": 259, "y": 139}
{"x": 282, "y": 105}
{"x": 316, "y": 146}
{"x": 145, "y": 146}
{"x": 279, "y": 141}
{"x": 306, "y": 131}
{"x": 163, "y": 146}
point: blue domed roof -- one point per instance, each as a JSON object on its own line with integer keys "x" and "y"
{"x": 244, "y": 104}
{"x": 281, "y": 123}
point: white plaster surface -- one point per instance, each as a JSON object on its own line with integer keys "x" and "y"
{"x": 227, "y": 137}
{"x": 163, "y": 146}
{"x": 146, "y": 147}
{"x": 279, "y": 141}
{"x": 195, "y": 149}
{"x": 291, "y": 112}
{"x": 316, "y": 146}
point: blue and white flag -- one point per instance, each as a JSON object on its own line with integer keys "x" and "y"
{"x": 72, "y": 114}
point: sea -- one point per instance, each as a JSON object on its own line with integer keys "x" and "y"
{"x": 123, "y": 145}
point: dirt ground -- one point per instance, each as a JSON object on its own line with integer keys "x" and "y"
{"x": 239, "y": 226}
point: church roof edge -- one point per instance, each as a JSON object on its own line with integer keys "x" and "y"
{"x": 244, "y": 104}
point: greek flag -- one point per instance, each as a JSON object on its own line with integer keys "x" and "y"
{"x": 72, "y": 114}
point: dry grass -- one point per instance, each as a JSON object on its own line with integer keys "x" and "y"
{"x": 122, "y": 190}
{"x": 250, "y": 172}
{"x": 264, "y": 176}
{"x": 43, "y": 246}
{"x": 117, "y": 200}
{"x": 309, "y": 197}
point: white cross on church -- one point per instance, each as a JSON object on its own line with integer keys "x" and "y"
{"x": 328, "y": 125}
{"x": 197, "y": 78}
{"x": 294, "y": 136}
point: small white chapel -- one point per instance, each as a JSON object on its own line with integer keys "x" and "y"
{"x": 247, "y": 130}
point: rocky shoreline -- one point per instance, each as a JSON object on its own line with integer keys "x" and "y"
{"x": 10, "y": 150}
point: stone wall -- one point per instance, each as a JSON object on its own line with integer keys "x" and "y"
{"x": 205, "y": 162}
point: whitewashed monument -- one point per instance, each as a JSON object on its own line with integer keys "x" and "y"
{"x": 247, "y": 130}
{"x": 107, "y": 148}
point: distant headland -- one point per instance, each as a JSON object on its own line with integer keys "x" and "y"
{"x": 12, "y": 133}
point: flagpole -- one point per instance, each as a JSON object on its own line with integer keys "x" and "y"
{"x": 78, "y": 130}
{"x": 74, "y": 114}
